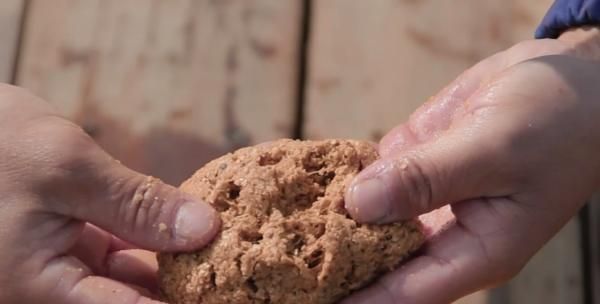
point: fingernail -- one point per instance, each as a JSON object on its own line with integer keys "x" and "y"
{"x": 196, "y": 222}
{"x": 368, "y": 201}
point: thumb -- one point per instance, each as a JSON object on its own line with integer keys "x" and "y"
{"x": 454, "y": 167}
{"x": 149, "y": 213}
{"x": 139, "y": 209}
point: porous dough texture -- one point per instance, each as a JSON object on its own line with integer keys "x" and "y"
{"x": 286, "y": 237}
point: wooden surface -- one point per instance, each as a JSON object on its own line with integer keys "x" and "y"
{"x": 476, "y": 298}
{"x": 10, "y": 27}
{"x": 554, "y": 275}
{"x": 167, "y": 85}
{"x": 593, "y": 241}
{"x": 373, "y": 62}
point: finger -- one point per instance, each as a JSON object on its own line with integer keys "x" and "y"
{"x": 136, "y": 208}
{"x": 68, "y": 280}
{"x": 460, "y": 165}
{"x": 94, "y": 246}
{"x": 436, "y": 114}
{"x": 138, "y": 267}
{"x": 92, "y": 290}
{"x": 482, "y": 249}
{"x": 149, "y": 213}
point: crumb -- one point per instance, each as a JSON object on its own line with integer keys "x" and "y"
{"x": 162, "y": 227}
{"x": 404, "y": 164}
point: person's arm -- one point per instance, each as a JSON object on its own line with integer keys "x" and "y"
{"x": 511, "y": 146}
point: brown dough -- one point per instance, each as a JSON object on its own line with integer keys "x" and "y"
{"x": 286, "y": 237}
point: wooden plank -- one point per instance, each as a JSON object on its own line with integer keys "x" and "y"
{"x": 10, "y": 27}
{"x": 371, "y": 63}
{"x": 593, "y": 241}
{"x": 167, "y": 85}
{"x": 476, "y": 298}
{"x": 554, "y": 275}
{"x": 379, "y": 60}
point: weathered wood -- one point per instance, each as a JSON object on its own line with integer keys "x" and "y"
{"x": 167, "y": 85}
{"x": 554, "y": 275}
{"x": 373, "y": 62}
{"x": 10, "y": 28}
{"x": 476, "y": 298}
{"x": 594, "y": 247}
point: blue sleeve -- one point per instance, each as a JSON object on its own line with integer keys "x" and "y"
{"x": 566, "y": 14}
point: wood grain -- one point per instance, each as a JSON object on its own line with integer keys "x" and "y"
{"x": 10, "y": 28}
{"x": 167, "y": 85}
{"x": 554, "y": 275}
{"x": 371, "y": 63}
{"x": 594, "y": 247}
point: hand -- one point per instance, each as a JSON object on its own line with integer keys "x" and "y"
{"x": 512, "y": 145}
{"x": 67, "y": 209}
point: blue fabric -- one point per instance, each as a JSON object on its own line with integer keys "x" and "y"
{"x": 566, "y": 14}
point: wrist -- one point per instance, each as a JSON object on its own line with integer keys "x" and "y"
{"x": 585, "y": 41}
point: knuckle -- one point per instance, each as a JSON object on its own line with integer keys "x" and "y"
{"x": 142, "y": 203}
{"x": 72, "y": 272}
{"x": 70, "y": 147}
{"x": 416, "y": 176}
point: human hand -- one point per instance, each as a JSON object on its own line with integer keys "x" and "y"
{"x": 67, "y": 209}
{"x": 512, "y": 145}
